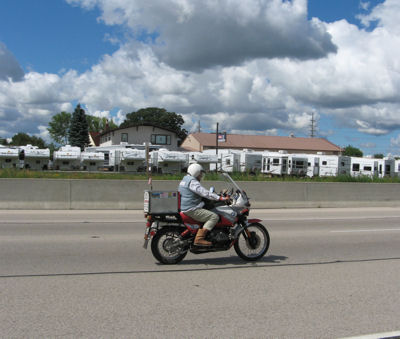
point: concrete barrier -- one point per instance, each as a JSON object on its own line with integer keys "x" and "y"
{"x": 126, "y": 194}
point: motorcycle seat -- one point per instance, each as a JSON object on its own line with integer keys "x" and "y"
{"x": 188, "y": 220}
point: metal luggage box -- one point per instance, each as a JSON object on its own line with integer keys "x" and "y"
{"x": 160, "y": 202}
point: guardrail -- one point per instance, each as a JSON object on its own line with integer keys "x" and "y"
{"x": 127, "y": 194}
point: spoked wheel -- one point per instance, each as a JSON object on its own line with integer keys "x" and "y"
{"x": 166, "y": 246}
{"x": 253, "y": 243}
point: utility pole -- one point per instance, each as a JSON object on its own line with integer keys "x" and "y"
{"x": 199, "y": 128}
{"x": 312, "y": 127}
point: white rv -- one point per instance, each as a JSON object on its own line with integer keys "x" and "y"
{"x": 322, "y": 165}
{"x": 250, "y": 161}
{"x": 171, "y": 162}
{"x": 133, "y": 160}
{"x": 67, "y": 158}
{"x": 112, "y": 156}
{"x": 389, "y": 167}
{"x": 92, "y": 161}
{"x": 34, "y": 158}
{"x": 230, "y": 161}
{"x": 298, "y": 165}
{"x": 356, "y": 167}
{"x": 9, "y": 157}
{"x": 207, "y": 160}
{"x": 275, "y": 163}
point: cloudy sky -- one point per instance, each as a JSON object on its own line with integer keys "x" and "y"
{"x": 254, "y": 66}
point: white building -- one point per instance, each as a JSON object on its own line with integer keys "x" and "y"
{"x": 140, "y": 134}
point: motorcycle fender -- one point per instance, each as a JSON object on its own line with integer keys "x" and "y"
{"x": 250, "y": 221}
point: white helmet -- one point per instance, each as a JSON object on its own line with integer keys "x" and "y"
{"x": 195, "y": 170}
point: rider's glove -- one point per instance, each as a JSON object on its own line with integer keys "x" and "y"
{"x": 224, "y": 198}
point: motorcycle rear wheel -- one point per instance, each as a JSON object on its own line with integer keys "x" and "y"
{"x": 255, "y": 247}
{"x": 165, "y": 248}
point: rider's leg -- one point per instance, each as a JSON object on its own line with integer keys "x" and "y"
{"x": 209, "y": 218}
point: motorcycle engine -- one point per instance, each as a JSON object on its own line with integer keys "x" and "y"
{"x": 219, "y": 237}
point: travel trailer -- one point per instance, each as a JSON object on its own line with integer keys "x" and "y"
{"x": 133, "y": 160}
{"x": 170, "y": 162}
{"x": 9, "y": 157}
{"x": 275, "y": 163}
{"x": 92, "y": 161}
{"x": 355, "y": 166}
{"x": 34, "y": 158}
{"x": 250, "y": 161}
{"x": 230, "y": 161}
{"x": 207, "y": 160}
{"x": 322, "y": 165}
{"x": 67, "y": 158}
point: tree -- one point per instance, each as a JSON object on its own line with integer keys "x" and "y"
{"x": 159, "y": 117}
{"x": 59, "y": 127}
{"x": 3, "y": 141}
{"x": 23, "y": 139}
{"x": 352, "y": 151}
{"x": 97, "y": 124}
{"x": 379, "y": 156}
{"x": 78, "y": 131}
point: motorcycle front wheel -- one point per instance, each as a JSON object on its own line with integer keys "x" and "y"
{"x": 253, "y": 244}
{"x": 166, "y": 246}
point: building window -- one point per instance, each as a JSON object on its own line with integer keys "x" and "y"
{"x": 324, "y": 163}
{"x": 124, "y": 137}
{"x": 368, "y": 168}
{"x": 275, "y": 161}
{"x": 356, "y": 167}
{"x": 159, "y": 139}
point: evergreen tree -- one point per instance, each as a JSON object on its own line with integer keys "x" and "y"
{"x": 78, "y": 131}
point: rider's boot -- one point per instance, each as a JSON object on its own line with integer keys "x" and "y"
{"x": 200, "y": 238}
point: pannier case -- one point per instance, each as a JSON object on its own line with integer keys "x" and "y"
{"x": 160, "y": 202}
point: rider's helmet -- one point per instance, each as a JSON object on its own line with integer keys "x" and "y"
{"x": 195, "y": 170}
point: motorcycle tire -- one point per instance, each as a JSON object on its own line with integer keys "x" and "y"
{"x": 254, "y": 248}
{"x": 162, "y": 246}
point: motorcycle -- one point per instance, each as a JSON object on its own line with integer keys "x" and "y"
{"x": 172, "y": 235}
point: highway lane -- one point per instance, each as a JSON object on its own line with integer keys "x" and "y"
{"x": 329, "y": 273}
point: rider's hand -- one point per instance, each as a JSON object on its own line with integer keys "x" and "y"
{"x": 227, "y": 198}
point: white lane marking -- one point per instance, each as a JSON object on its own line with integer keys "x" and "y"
{"x": 370, "y": 230}
{"x": 387, "y": 335}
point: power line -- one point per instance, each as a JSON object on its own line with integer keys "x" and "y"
{"x": 312, "y": 126}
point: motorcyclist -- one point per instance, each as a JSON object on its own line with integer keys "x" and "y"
{"x": 192, "y": 204}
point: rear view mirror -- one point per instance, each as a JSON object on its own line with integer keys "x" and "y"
{"x": 212, "y": 189}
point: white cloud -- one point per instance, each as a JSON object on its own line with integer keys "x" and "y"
{"x": 195, "y": 35}
{"x": 244, "y": 90}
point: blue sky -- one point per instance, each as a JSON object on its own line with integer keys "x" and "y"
{"x": 248, "y": 70}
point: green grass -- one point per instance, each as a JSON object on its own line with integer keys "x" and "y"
{"x": 27, "y": 174}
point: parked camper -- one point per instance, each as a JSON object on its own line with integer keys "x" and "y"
{"x": 67, "y": 158}
{"x": 133, "y": 160}
{"x": 9, "y": 157}
{"x": 230, "y": 162}
{"x": 171, "y": 162}
{"x": 112, "y": 156}
{"x": 207, "y": 160}
{"x": 355, "y": 166}
{"x": 92, "y": 161}
{"x": 322, "y": 165}
{"x": 34, "y": 158}
{"x": 298, "y": 165}
{"x": 390, "y": 167}
{"x": 250, "y": 161}
{"x": 275, "y": 163}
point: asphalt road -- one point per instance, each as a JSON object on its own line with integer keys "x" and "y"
{"x": 329, "y": 273}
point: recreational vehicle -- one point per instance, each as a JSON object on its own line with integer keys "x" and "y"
{"x": 230, "y": 162}
{"x": 34, "y": 158}
{"x": 92, "y": 161}
{"x": 207, "y": 160}
{"x": 9, "y": 157}
{"x": 133, "y": 160}
{"x": 322, "y": 165}
{"x": 275, "y": 163}
{"x": 67, "y": 158}
{"x": 250, "y": 161}
{"x": 298, "y": 165}
{"x": 356, "y": 167}
{"x": 171, "y": 162}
